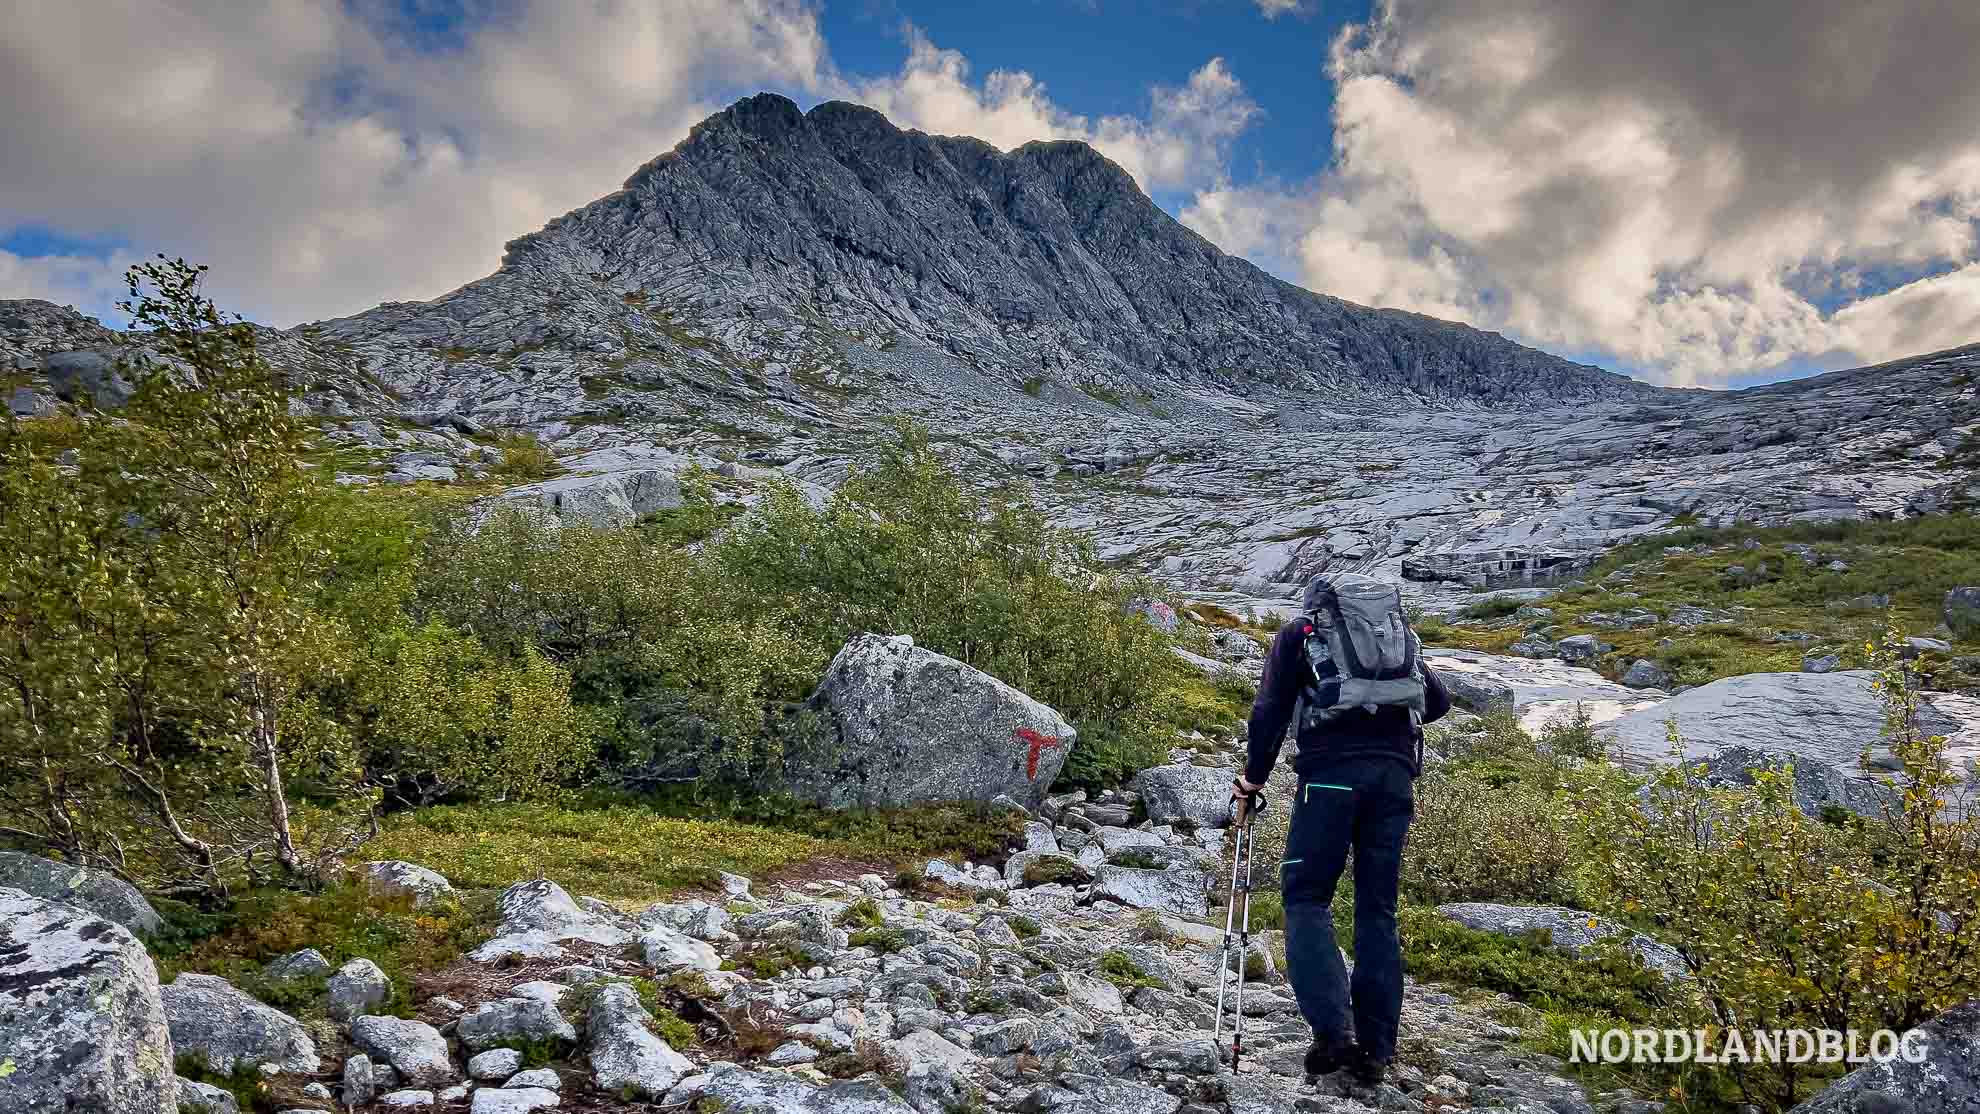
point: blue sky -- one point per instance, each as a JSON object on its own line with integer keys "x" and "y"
{"x": 1099, "y": 59}
{"x": 1599, "y": 179}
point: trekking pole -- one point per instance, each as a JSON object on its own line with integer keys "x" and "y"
{"x": 1237, "y": 924}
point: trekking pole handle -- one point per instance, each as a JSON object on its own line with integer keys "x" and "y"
{"x": 1245, "y": 806}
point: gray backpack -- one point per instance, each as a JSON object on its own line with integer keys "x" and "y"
{"x": 1360, "y": 650}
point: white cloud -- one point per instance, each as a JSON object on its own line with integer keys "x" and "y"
{"x": 91, "y": 285}
{"x": 1183, "y": 142}
{"x": 321, "y": 166}
{"x": 1607, "y": 176}
{"x": 1273, "y": 9}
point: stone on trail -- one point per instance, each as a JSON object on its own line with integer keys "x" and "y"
{"x": 496, "y": 1063}
{"x": 1182, "y": 891}
{"x": 1198, "y": 795}
{"x": 393, "y": 878}
{"x": 360, "y": 1080}
{"x": 204, "y": 1098}
{"x": 1569, "y": 930}
{"x": 538, "y": 917}
{"x": 741, "y": 1091}
{"x": 625, "y": 1055}
{"x": 355, "y": 988}
{"x": 414, "y": 1049}
{"x": 520, "y": 1100}
{"x": 305, "y": 964}
{"x": 906, "y": 725}
{"x": 666, "y": 949}
{"x": 1947, "y": 1081}
{"x": 210, "y": 1017}
{"x": 81, "y": 1024}
{"x": 513, "y": 1021}
{"x": 406, "y": 1100}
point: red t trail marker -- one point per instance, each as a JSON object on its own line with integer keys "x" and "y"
{"x": 1038, "y": 742}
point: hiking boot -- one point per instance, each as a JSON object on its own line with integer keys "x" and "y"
{"x": 1365, "y": 1068}
{"x": 1325, "y": 1058}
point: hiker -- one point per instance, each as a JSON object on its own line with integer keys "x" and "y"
{"x": 1349, "y": 671}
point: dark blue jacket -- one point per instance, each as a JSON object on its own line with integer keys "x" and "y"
{"x": 1355, "y": 734}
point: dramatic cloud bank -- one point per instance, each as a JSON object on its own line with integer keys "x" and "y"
{"x": 1685, "y": 187}
{"x": 322, "y": 164}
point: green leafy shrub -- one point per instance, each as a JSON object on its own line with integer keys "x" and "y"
{"x": 1025, "y": 927}
{"x": 450, "y": 717}
{"x": 883, "y": 940}
{"x": 521, "y": 458}
{"x": 862, "y": 913}
{"x": 1047, "y": 871}
{"x": 1788, "y": 922}
{"x": 1119, "y": 968}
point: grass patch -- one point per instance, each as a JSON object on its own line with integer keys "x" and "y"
{"x": 628, "y": 851}
{"x": 344, "y": 923}
{"x": 1529, "y": 969}
{"x": 1119, "y": 968}
{"x": 1764, "y": 583}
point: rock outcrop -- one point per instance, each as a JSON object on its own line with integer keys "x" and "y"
{"x": 1945, "y": 1081}
{"x": 905, "y": 725}
{"x": 95, "y": 891}
{"x": 213, "y": 1020}
{"x": 81, "y": 1025}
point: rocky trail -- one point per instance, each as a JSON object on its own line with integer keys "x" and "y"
{"x": 836, "y": 996}
{"x": 1078, "y": 976}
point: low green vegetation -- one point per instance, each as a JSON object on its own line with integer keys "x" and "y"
{"x": 502, "y": 696}
{"x": 343, "y": 922}
{"x": 1783, "y": 920}
{"x": 1769, "y": 594}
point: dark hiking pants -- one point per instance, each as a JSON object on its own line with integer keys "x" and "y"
{"x": 1363, "y": 804}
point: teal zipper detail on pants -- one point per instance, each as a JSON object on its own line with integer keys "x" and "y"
{"x": 1312, "y": 785}
{"x": 1290, "y": 862}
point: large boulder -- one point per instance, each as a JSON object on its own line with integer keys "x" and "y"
{"x": 1818, "y": 785}
{"x": 1569, "y": 930}
{"x": 626, "y": 1058}
{"x": 603, "y": 499}
{"x": 909, "y": 725}
{"x": 1195, "y": 795}
{"x": 539, "y": 917}
{"x": 1946, "y": 1080}
{"x": 211, "y": 1018}
{"x": 94, "y": 891}
{"x": 1537, "y": 692}
{"x": 81, "y": 1026}
{"x": 1829, "y": 717}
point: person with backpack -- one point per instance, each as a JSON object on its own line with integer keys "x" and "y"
{"x": 1349, "y": 676}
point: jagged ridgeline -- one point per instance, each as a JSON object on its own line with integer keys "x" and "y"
{"x": 783, "y": 284}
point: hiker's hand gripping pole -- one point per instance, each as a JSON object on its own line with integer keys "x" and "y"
{"x": 1245, "y": 806}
